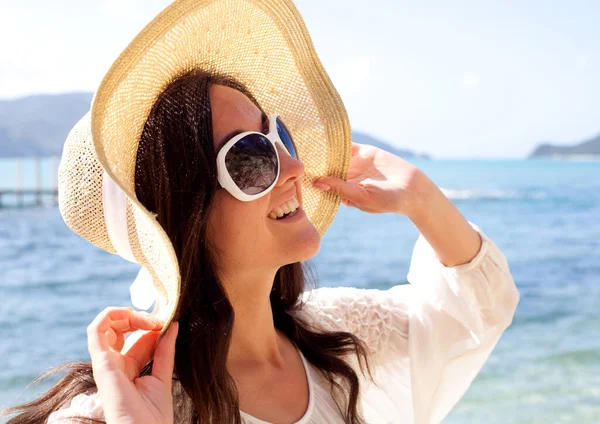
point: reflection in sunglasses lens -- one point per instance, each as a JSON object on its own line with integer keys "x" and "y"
{"x": 252, "y": 163}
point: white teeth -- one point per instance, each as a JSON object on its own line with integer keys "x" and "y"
{"x": 287, "y": 207}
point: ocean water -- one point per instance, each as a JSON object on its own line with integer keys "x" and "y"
{"x": 544, "y": 215}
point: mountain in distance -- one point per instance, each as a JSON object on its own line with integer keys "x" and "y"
{"x": 362, "y": 138}
{"x": 586, "y": 149}
{"x": 38, "y": 125}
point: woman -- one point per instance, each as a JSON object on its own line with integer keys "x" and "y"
{"x": 248, "y": 344}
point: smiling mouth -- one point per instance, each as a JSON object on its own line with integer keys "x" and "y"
{"x": 285, "y": 210}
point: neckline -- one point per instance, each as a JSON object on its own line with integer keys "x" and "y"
{"x": 307, "y": 414}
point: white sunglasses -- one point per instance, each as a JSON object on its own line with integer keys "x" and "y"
{"x": 248, "y": 165}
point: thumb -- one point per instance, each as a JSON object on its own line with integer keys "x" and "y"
{"x": 164, "y": 355}
{"x": 348, "y": 190}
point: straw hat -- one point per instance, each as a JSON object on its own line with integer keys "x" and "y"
{"x": 262, "y": 43}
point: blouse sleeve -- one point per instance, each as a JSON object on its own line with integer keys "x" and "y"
{"x": 82, "y": 405}
{"x": 427, "y": 339}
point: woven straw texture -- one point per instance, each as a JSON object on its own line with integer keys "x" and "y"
{"x": 262, "y": 43}
{"x": 80, "y": 204}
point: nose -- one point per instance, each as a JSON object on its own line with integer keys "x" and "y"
{"x": 290, "y": 169}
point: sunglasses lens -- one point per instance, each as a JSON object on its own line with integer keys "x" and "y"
{"x": 252, "y": 163}
{"x": 286, "y": 138}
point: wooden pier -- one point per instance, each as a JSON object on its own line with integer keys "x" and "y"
{"x": 36, "y": 196}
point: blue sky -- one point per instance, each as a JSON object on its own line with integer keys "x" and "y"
{"x": 457, "y": 79}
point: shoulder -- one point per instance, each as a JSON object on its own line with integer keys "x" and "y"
{"x": 370, "y": 314}
{"x": 332, "y": 301}
{"x": 342, "y": 300}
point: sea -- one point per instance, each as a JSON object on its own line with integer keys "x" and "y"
{"x": 543, "y": 214}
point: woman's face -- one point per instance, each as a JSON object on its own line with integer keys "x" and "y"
{"x": 247, "y": 239}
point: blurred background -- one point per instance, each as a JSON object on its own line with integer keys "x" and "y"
{"x": 495, "y": 101}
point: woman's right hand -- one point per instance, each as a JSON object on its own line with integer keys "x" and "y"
{"x": 126, "y": 398}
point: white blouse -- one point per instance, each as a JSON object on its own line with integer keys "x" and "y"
{"x": 427, "y": 340}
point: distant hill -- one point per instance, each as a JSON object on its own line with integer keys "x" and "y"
{"x": 589, "y": 148}
{"x": 38, "y": 125}
{"x": 362, "y": 138}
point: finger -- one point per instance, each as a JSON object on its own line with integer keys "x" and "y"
{"x": 111, "y": 335}
{"x": 116, "y": 339}
{"x": 355, "y": 148}
{"x": 120, "y": 325}
{"x": 116, "y": 319}
{"x": 164, "y": 356}
{"x": 132, "y": 339}
{"x": 141, "y": 351}
{"x": 116, "y": 334}
{"x": 348, "y": 190}
{"x": 97, "y": 331}
{"x": 144, "y": 321}
{"x": 348, "y": 203}
{"x": 123, "y": 318}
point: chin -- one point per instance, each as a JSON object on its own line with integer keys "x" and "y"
{"x": 303, "y": 245}
{"x": 311, "y": 246}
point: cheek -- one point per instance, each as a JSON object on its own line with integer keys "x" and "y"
{"x": 236, "y": 225}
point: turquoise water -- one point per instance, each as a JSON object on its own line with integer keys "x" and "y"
{"x": 544, "y": 215}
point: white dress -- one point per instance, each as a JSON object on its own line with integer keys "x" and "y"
{"x": 427, "y": 340}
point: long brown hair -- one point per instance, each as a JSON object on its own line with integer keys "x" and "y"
{"x": 176, "y": 178}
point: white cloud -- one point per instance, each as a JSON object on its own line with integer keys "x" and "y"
{"x": 470, "y": 81}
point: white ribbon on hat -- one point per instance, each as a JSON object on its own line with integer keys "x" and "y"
{"x": 114, "y": 203}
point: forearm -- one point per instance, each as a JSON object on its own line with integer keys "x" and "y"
{"x": 443, "y": 226}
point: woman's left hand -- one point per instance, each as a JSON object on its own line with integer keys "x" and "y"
{"x": 379, "y": 182}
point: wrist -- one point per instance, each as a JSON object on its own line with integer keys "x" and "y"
{"x": 423, "y": 193}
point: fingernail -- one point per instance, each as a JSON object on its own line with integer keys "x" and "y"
{"x": 322, "y": 186}
{"x": 153, "y": 318}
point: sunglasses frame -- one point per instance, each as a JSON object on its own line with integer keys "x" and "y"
{"x": 223, "y": 175}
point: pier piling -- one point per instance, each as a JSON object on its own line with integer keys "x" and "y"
{"x": 39, "y": 193}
